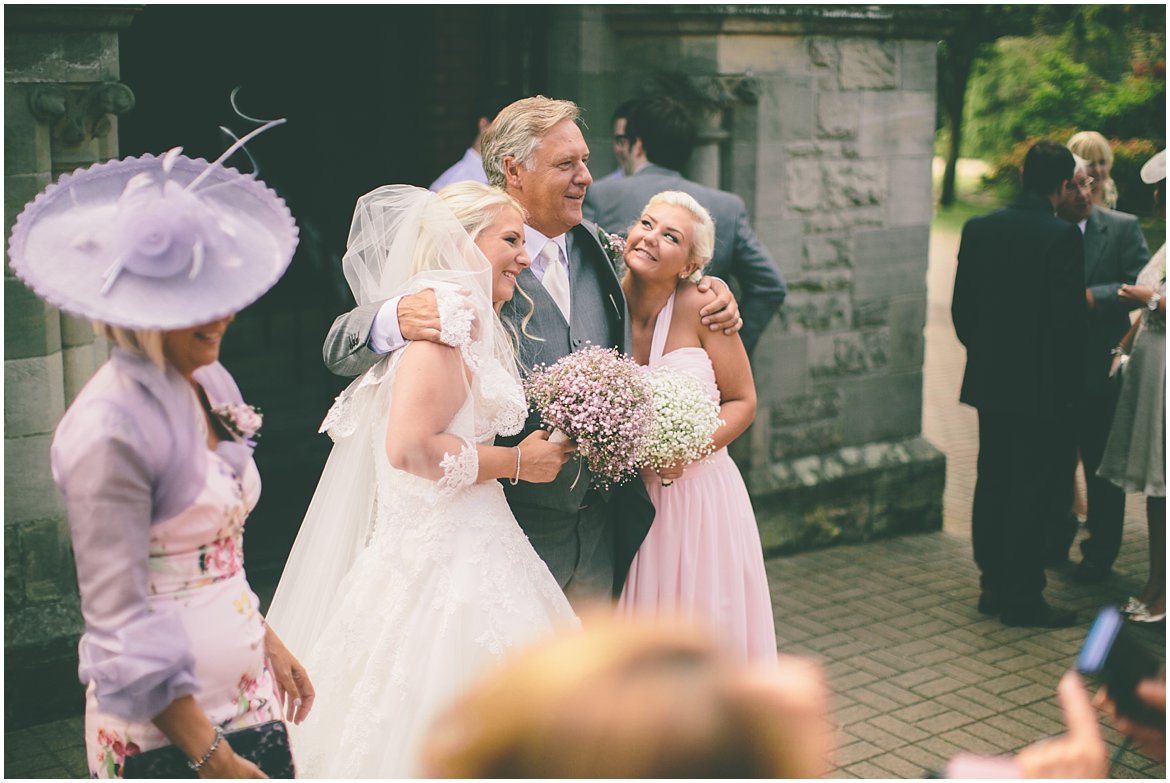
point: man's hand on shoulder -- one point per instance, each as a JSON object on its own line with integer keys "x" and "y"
{"x": 723, "y": 311}
{"x": 418, "y": 316}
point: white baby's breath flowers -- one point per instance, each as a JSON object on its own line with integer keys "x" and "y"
{"x": 684, "y": 423}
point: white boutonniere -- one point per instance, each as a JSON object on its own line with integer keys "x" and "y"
{"x": 240, "y": 419}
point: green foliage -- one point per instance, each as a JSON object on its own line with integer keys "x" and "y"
{"x": 1032, "y": 87}
{"x": 1128, "y": 158}
{"x": 1087, "y": 67}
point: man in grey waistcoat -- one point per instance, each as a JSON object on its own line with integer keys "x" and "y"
{"x": 661, "y": 137}
{"x": 535, "y": 151}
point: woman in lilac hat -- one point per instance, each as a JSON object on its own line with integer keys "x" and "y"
{"x": 154, "y": 459}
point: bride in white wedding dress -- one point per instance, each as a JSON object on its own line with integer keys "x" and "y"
{"x": 410, "y": 575}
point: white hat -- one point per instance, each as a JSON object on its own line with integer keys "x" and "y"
{"x": 153, "y": 242}
{"x": 1155, "y": 169}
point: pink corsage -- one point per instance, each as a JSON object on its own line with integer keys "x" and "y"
{"x": 614, "y": 246}
{"x": 241, "y": 420}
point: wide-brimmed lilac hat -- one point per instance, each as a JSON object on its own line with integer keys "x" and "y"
{"x": 153, "y": 242}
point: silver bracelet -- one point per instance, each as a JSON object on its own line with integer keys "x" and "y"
{"x": 198, "y": 765}
{"x": 515, "y": 481}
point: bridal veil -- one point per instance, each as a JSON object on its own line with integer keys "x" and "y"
{"x": 402, "y": 240}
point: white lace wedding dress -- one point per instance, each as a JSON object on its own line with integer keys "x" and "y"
{"x": 446, "y": 586}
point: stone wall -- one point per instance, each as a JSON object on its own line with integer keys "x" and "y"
{"x": 61, "y": 71}
{"x": 823, "y": 121}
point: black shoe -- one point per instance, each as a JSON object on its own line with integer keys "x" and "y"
{"x": 1088, "y": 573}
{"x": 1038, "y": 615}
{"x": 990, "y": 603}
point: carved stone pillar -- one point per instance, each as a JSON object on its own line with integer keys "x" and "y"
{"x": 61, "y": 101}
{"x": 822, "y": 119}
{"x": 721, "y": 95}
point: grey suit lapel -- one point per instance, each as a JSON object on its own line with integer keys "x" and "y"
{"x": 1095, "y": 240}
{"x": 588, "y": 257}
{"x": 581, "y": 251}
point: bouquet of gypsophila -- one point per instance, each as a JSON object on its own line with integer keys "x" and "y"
{"x": 600, "y": 400}
{"x": 685, "y": 418}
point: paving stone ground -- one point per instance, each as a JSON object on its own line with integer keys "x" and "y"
{"x": 918, "y": 675}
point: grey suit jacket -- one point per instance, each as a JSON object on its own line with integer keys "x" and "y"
{"x": 616, "y": 204}
{"x": 1115, "y": 252}
{"x": 598, "y": 316}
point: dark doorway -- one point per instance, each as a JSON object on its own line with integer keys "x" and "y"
{"x": 373, "y": 95}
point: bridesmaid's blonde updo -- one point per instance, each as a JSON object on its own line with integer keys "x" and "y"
{"x": 703, "y": 241}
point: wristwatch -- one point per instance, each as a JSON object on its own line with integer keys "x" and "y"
{"x": 1152, "y": 305}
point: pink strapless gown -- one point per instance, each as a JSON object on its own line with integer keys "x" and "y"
{"x": 702, "y": 557}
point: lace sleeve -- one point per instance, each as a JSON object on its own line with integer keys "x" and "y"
{"x": 459, "y": 470}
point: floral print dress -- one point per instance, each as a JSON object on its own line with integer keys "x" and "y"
{"x": 197, "y": 573}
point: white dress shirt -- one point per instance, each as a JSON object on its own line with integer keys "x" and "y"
{"x": 469, "y": 167}
{"x": 534, "y": 243}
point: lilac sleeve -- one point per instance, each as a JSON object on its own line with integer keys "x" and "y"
{"x": 138, "y": 660}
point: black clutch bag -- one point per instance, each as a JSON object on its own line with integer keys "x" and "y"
{"x": 265, "y": 745}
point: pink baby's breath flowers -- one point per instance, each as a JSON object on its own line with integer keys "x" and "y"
{"x": 601, "y": 400}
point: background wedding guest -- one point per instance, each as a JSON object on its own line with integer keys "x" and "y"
{"x": 1134, "y": 457}
{"x": 661, "y": 136}
{"x": 1114, "y": 252}
{"x": 650, "y": 699}
{"x": 1024, "y": 376}
{"x": 621, "y": 142}
{"x": 154, "y": 457}
{"x": 535, "y": 152}
{"x": 470, "y": 166}
{"x": 702, "y": 557}
{"x": 643, "y": 698}
{"x": 1098, "y": 155}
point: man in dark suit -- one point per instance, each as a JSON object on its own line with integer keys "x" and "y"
{"x": 1115, "y": 252}
{"x": 535, "y": 151}
{"x": 1019, "y": 309}
{"x": 661, "y": 137}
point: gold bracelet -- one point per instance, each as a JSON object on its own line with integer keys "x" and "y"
{"x": 515, "y": 481}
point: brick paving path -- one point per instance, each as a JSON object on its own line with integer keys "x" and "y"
{"x": 918, "y": 675}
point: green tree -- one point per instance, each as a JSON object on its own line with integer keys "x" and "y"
{"x": 976, "y": 27}
{"x": 1084, "y": 68}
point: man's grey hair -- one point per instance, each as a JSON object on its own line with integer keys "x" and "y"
{"x": 517, "y": 131}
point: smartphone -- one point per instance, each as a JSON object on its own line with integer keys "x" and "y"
{"x": 1113, "y": 656}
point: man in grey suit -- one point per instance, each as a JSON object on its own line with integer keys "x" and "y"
{"x": 661, "y": 138}
{"x": 536, "y": 152}
{"x": 1115, "y": 252}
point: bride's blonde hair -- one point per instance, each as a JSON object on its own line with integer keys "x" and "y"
{"x": 475, "y": 205}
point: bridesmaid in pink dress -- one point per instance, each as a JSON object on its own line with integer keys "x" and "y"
{"x": 702, "y": 558}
